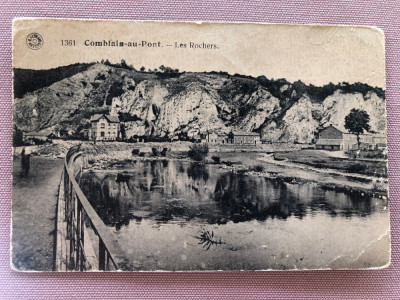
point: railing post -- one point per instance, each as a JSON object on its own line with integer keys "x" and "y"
{"x": 68, "y": 217}
{"x": 108, "y": 261}
{"x": 66, "y": 191}
{"x": 102, "y": 255}
{"x": 78, "y": 235}
{"x": 82, "y": 234}
{"x": 72, "y": 227}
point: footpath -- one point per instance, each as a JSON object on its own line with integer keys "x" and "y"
{"x": 34, "y": 207}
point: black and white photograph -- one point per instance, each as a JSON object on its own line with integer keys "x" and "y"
{"x": 167, "y": 146}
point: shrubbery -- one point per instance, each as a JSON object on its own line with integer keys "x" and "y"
{"x": 356, "y": 168}
{"x": 198, "y": 152}
{"x": 216, "y": 159}
{"x": 130, "y": 140}
{"x": 157, "y": 152}
{"x": 258, "y": 168}
{"x": 164, "y": 152}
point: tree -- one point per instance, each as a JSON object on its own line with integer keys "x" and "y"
{"x": 123, "y": 64}
{"x": 198, "y": 152}
{"x": 142, "y": 69}
{"x": 122, "y": 131}
{"x": 356, "y": 122}
{"x": 231, "y": 137}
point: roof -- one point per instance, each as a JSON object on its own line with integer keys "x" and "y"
{"x": 245, "y": 133}
{"x": 97, "y": 117}
{"x": 330, "y": 127}
{"x": 327, "y": 142}
{"x": 218, "y": 134}
{"x": 35, "y": 134}
{"x": 44, "y": 132}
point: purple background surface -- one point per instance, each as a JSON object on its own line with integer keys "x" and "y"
{"x": 228, "y": 285}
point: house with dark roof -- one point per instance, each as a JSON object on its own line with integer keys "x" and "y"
{"x": 104, "y": 127}
{"x": 329, "y": 138}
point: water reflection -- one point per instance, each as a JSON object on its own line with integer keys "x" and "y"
{"x": 177, "y": 191}
{"x": 198, "y": 171}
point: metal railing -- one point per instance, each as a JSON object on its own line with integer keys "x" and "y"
{"x": 88, "y": 244}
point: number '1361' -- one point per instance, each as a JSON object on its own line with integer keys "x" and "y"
{"x": 67, "y": 42}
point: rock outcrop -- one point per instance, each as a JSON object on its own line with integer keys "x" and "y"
{"x": 162, "y": 105}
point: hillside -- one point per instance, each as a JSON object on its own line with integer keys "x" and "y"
{"x": 183, "y": 104}
{"x": 31, "y": 80}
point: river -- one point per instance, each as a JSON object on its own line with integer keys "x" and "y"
{"x": 177, "y": 215}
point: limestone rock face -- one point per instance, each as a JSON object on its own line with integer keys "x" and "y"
{"x": 265, "y": 107}
{"x": 160, "y": 105}
{"x": 339, "y": 105}
{"x": 299, "y": 125}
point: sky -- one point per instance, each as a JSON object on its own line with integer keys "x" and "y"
{"x": 313, "y": 54}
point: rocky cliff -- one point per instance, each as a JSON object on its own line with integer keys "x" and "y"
{"x": 186, "y": 104}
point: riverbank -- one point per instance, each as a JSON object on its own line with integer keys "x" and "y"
{"x": 328, "y": 160}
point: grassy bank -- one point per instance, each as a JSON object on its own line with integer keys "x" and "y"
{"x": 319, "y": 159}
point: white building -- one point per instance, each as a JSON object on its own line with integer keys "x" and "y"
{"x": 104, "y": 127}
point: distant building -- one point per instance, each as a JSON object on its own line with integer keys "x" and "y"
{"x": 52, "y": 136}
{"x": 236, "y": 137}
{"x": 65, "y": 133}
{"x": 246, "y": 138}
{"x": 373, "y": 141}
{"x": 31, "y": 137}
{"x": 35, "y": 137}
{"x": 214, "y": 138}
{"x": 198, "y": 138}
{"x": 331, "y": 138}
{"x": 85, "y": 133}
{"x": 104, "y": 127}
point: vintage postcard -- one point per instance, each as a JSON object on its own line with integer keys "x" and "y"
{"x": 147, "y": 146}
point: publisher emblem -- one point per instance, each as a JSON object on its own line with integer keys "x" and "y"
{"x": 34, "y": 41}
